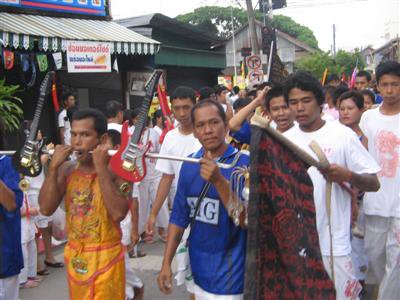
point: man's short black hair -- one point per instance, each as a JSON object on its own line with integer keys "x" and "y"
{"x": 389, "y": 67}
{"x": 127, "y": 116}
{"x": 205, "y": 92}
{"x": 276, "y": 91}
{"x": 357, "y": 98}
{"x": 341, "y": 89}
{"x": 99, "y": 119}
{"x": 368, "y": 93}
{"x": 115, "y": 137}
{"x": 184, "y": 92}
{"x": 113, "y": 107}
{"x": 66, "y": 95}
{"x": 236, "y": 90}
{"x": 304, "y": 81}
{"x": 240, "y": 103}
{"x": 219, "y": 89}
{"x": 365, "y": 74}
{"x": 209, "y": 102}
{"x": 261, "y": 86}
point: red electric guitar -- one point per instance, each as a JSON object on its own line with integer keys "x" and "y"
{"x": 129, "y": 162}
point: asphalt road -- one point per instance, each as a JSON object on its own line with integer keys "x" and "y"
{"x": 54, "y": 286}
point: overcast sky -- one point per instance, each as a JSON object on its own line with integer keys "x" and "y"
{"x": 358, "y": 22}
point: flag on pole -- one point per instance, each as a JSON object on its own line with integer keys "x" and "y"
{"x": 324, "y": 76}
{"x": 54, "y": 94}
{"x": 352, "y": 80}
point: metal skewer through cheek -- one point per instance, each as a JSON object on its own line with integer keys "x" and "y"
{"x": 156, "y": 156}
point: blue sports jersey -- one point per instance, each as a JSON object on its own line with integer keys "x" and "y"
{"x": 217, "y": 248}
{"x": 11, "y": 261}
{"x": 244, "y": 134}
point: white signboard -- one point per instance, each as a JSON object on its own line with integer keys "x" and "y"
{"x": 88, "y": 57}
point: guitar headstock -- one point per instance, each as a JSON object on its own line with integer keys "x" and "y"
{"x": 45, "y": 85}
{"x": 152, "y": 82}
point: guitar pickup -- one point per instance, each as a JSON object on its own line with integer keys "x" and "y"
{"x": 25, "y": 162}
{"x": 128, "y": 166}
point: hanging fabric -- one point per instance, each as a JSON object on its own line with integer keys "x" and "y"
{"x": 8, "y": 59}
{"x": 42, "y": 62}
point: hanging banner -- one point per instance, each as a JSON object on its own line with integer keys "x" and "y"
{"x": 88, "y": 57}
{"x": 57, "y": 57}
{"x": 8, "y": 57}
{"x": 42, "y": 62}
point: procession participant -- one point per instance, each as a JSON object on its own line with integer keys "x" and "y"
{"x": 278, "y": 110}
{"x": 10, "y": 229}
{"x": 64, "y": 123}
{"x": 95, "y": 202}
{"x": 147, "y": 189}
{"x": 158, "y": 122}
{"x": 329, "y": 110}
{"x": 333, "y": 80}
{"x": 382, "y": 209}
{"x": 216, "y": 245}
{"x": 241, "y": 139}
{"x": 362, "y": 80}
{"x": 351, "y": 107}
{"x": 207, "y": 93}
{"x": 115, "y": 115}
{"x": 349, "y": 162}
{"x": 369, "y": 99}
{"x": 134, "y": 288}
{"x": 221, "y": 93}
{"x": 178, "y": 142}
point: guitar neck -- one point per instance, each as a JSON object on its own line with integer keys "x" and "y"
{"x": 36, "y": 118}
{"x": 142, "y": 120}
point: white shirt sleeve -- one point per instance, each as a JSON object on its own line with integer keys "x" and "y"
{"x": 358, "y": 158}
{"x": 61, "y": 120}
{"x": 165, "y": 165}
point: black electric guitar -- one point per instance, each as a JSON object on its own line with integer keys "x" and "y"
{"x": 129, "y": 162}
{"x": 27, "y": 160}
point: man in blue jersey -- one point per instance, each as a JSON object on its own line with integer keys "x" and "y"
{"x": 216, "y": 246}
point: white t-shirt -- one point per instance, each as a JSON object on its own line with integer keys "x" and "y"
{"x": 341, "y": 146}
{"x": 114, "y": 126}
{"x": 158, "y": 130}
{"x": 383, "y": 133}
{"x": 151, "y": 135}
{"x": 63, "y": 122}
{"x": 176, "y": 144}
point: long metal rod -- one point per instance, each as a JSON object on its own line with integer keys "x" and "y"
{"x": 157, "y": 156}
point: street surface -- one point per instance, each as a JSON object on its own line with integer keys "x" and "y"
{"x": 54, "y": 286}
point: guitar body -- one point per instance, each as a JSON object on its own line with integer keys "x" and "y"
{"x": 133, "y": 170}
{"x": 27, "y": 160}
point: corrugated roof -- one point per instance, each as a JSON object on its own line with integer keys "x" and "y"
{"x": 23, "y": 27}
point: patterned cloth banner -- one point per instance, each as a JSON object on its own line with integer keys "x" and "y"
{"x": 8, "y": 57}
{"x": 57, "y": 57}
{"x": 24, "y": 62}
{"x": 42, "y": 62}
{"x": 283, "y": 259}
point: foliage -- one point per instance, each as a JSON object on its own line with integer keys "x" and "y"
{"x": 344, "y": 62}
{"x": 217, "y": 21}
{"x": 10, "y": 106}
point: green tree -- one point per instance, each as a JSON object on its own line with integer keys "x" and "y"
{"x": 217, "y": 20}
{"x": 344, "y": 62}
{"x": 10, "y": 106}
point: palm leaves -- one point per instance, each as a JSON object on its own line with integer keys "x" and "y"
{"x": 11, "y": 112}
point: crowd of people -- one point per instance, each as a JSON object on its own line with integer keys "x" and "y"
{"x": 190, "y": 206}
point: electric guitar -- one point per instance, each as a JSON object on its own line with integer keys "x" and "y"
{"x": 27, "y": 160}
{"x": 129, "y": 162}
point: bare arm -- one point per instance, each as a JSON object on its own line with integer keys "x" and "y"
{"x": 164, "y": 279}
{"x": 115, "y": 202}
{"x": 162, "y": 193}
{"x": 7, "y": 198}
{"x": 54, "y": 185}
{"x": 229, "y": 111}
{"x": 62, "y": 131}
{"x": 236, "y": 122}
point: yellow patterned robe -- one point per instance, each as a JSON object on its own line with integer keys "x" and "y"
{"x": 94, "y": 255}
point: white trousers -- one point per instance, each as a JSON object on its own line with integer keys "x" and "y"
{"x": 147, "y": 194}
{"x": 346, "y": 284}
{"x": 382, "y": 244}
{"x": 9, "y": 288}
{"x": 29, "y": 252}
{"x": 359, "y": 257}
{"x": 201, "y": 294}
{"x": 131, "y": 279}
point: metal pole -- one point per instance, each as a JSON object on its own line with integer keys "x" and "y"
{"x": 234, "y": 47}
{"x": 270, "y": 60}
{"x": 334, "y": 40}
{"x": 252, "y": 28}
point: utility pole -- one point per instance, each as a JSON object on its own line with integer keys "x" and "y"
{"x": 234, "y": 46}
{"x": 252, "y": 27}
{"x": 334, "y": 40}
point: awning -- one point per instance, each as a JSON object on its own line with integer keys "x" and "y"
{"x": 21, "y": 30}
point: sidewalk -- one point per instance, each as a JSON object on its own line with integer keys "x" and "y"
{"x": 54, "y": 286}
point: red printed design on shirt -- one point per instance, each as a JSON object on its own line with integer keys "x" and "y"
{"x": 387, "y": 145}
{"x": 352, "y": 289}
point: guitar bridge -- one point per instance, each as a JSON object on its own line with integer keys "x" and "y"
{"x": 128, "y": 166}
